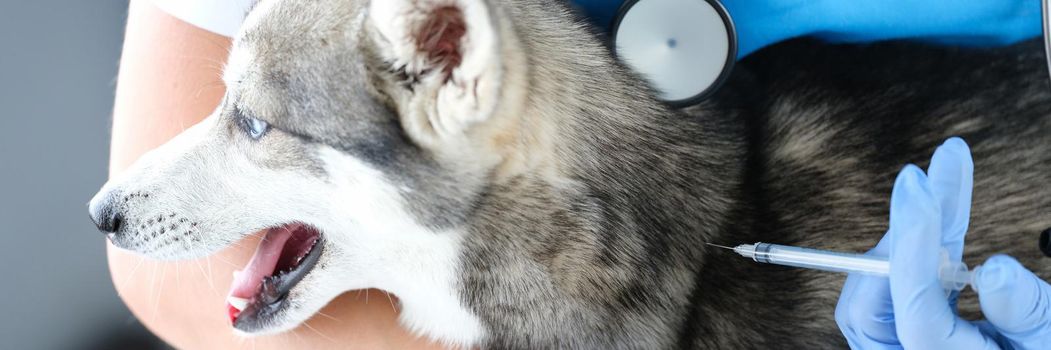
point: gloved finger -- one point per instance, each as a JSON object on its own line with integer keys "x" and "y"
{"x": 864, "y": 313}
{"x": 924, "y": 319}
{"x": 858, "y": 339}
{"x": 1016, "y": 302}
{"x": 951, "y": 179}
{"x": 867, "y": 323}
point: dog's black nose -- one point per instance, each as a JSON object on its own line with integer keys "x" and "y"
{"x": 104, "y": 213}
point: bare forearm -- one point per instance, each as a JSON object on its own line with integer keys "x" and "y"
{"x": 169, "y": 80}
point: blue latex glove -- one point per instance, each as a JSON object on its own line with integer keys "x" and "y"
{"x": 958, "y": 22}
{"x": 909, "y": 309}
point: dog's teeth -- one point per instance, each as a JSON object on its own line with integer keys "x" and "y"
{"x": 237, "y": 303}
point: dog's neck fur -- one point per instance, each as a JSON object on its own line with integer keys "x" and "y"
{"x": 605, "y": 174}
{"x": 614, "y": 130}
{"x": 607, "y": 116}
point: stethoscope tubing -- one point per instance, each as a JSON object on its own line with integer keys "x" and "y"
{"x": 1045, "y": 17}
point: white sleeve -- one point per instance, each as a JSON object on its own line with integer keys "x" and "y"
{"x": 222, "y": 17}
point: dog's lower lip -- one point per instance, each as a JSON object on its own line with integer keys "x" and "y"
{"x": 274, "y": 289}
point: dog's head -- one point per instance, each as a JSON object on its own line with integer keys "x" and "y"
{"x": 354, "y": 136}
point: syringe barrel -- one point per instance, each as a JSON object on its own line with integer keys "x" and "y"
{"x": 820, "y": 260}
{"x": 953, "y": 275}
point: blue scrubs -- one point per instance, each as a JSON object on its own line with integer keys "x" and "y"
{"x": 951, "y": 22}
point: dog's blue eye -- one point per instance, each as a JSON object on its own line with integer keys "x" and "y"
{"x": 255, "y": 128}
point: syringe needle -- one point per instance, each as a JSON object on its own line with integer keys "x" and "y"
{"x": 720, "y": 246}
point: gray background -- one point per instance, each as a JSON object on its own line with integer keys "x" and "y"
{"x": 58, "y": 64}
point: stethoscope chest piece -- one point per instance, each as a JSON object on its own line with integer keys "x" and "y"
{"x": 685, "y": 48}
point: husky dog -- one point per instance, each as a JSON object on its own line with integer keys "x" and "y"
{"x": 492, "y": 165}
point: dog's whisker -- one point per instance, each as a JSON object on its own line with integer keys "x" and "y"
{"x": 318, "y": 332}
{"x": 239, "y": 245}
{"x": 329, "y": 317}
{"x": 241, "y": 340}
{"x": 208, "y": 260}
{"x": 200, "y": 90}
{"x": 153, "y": 285}
{"x": 123, "y": 283}
{"x": 298, "y": 337}
{"x": 208, "y": 276}
{"x": 235, "y": 266}
{"x": 214, "y": 62}
{"x": 160, "y": 289}
{"x": 218, "y": 44}
{"x": 391, "y": 300}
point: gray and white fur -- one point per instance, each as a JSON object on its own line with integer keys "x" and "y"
{"x": 515, "y": 186}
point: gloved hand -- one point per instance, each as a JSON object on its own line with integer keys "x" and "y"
{"x": 909, "y": 309}
{"x": 764, "y": 22}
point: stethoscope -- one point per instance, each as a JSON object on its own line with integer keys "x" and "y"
{"x": 1045, "y": 15}
{"x": 685, "y": 48}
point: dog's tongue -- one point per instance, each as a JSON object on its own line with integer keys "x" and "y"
{"x": 246, "y": 282}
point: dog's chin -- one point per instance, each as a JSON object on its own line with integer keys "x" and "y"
{"x": 301, "y": 303}
{"x": 288, "y": 315}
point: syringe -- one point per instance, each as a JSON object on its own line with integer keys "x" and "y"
{"x": 954, "y": 275}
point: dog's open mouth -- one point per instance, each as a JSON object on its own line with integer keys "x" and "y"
{"x": 284, "y": 256}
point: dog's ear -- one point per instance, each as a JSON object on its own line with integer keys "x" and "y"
{"x": 448, "y": 55}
